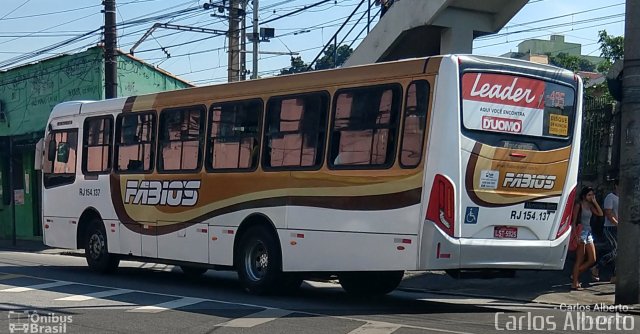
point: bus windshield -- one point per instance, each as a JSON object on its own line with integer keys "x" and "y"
{"x": 514, "y": 106}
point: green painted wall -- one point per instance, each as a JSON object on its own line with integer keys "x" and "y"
{"x": 27, "y": 221}
{"x": 136, "y": 78}
{"x": 28, "y": 94}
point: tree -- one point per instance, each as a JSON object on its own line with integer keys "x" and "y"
{"x": 297, "y": 66}
{"x": 611, "y": 47}
{"x": 327, "y": 61}
{"x": 572, "y": 63}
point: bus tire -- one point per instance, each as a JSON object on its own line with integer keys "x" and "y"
{"x": 370, "y": 283}
{"x": 259, "y": 261}
{"x": 193, "y": 271}
{"x": 96, "y": 249}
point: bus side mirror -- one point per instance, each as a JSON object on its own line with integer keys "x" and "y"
{"x": 51, "y": 152}
{"x": 63, "y": 153}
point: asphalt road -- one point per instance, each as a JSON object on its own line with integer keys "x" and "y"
{"x": 56, "y": 293}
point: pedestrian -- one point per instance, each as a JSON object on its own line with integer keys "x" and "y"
{"x": 610, "y": 233}
{"x": 586, "y": 251}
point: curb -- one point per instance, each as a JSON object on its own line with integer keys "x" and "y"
{"x": 633, "y": 309}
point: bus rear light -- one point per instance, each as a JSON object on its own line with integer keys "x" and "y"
{"x": 441, "y": 204}
{"x": 565, "y": 223}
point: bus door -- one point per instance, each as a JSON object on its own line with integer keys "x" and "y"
{"x": 59, "y": 174}
{"x": 516, "y": 150}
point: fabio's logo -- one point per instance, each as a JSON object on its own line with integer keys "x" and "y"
{"x": 172, "y": 193}
{"x": 529, "y": 181}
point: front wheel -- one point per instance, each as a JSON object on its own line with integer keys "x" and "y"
{"x": 259, "y": 263}
{"x": 96, "y": 251}
{"x": 370, "y": 283}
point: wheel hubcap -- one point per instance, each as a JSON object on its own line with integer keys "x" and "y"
{"x": 96, "y": 245}
{"x": 257, "y": 261}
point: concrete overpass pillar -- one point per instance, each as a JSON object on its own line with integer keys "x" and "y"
{"x": 420, "y": 28}
{"x": 456, "y": 40}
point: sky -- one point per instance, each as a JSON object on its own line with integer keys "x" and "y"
{"x": 32, "y": 30}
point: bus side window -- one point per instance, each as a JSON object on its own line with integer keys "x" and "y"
{"x": 135, "y": 142}
{"x": 180, "y": 140}
{"x": 59, "y": 168}
{"x": 97, "y": 145}
{"x": 415, "y": 119}
{"x": 364, "y": 127}
{"x": 234, "y": 133}
{"x": 295, "y": 131}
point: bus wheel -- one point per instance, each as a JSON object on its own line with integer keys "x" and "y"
{"x": 193, "y": 271}
{"x": 370, "y": 283}
{"x": 96, "y": 251}
{"x": 259, "y": 261}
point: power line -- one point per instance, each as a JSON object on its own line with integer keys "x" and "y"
{"x": 565, "y": 15}
{"x": 46, "y": 14}
{"x": 523, "y": 39}
{"x": 9, "y": 13}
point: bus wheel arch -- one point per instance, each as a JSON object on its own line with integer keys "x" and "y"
{"x": 93, "y": 238}
{"x": 253, "y": 221}
{"x": 88, "y": 216}
{"x": 258, "y": 258}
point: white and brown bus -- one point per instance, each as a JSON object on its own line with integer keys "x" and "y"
{"x": 449, "y": 162}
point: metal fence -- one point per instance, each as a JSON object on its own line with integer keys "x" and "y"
{"x": 599, "y": 147}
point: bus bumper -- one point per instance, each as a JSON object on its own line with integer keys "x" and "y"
{"x": 439, "y": 251}
{"x": 514, "y": 254}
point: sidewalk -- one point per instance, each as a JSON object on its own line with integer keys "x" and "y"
{"x": 544, "y": 287}
{"x": 28, "y": 246}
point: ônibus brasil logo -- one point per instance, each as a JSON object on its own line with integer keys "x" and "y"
{"x": 171, "y": 193}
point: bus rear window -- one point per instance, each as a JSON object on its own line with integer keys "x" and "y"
{"x": 515, "y": 107}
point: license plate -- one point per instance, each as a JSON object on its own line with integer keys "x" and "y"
{"x": 505, "y": 232}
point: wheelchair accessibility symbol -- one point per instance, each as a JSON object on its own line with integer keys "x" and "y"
{"x": 471, "y": 216}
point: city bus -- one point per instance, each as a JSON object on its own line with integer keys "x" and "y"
{"x": 454, "y": 162}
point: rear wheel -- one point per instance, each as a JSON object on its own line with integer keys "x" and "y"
{"x": 96, "y": 250}
{"x": 370, "y": 283}
{"x": 259, "y": 263}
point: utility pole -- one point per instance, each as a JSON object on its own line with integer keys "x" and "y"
{"x": 110, "y": 46}
{"x": 628, "y": 259}
{"x": 243, "y": 43}
{"x": 235, "y": 7}
{"x": 256, "y": 40}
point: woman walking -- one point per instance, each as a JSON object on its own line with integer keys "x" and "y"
{"x": 586, "y": 252}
